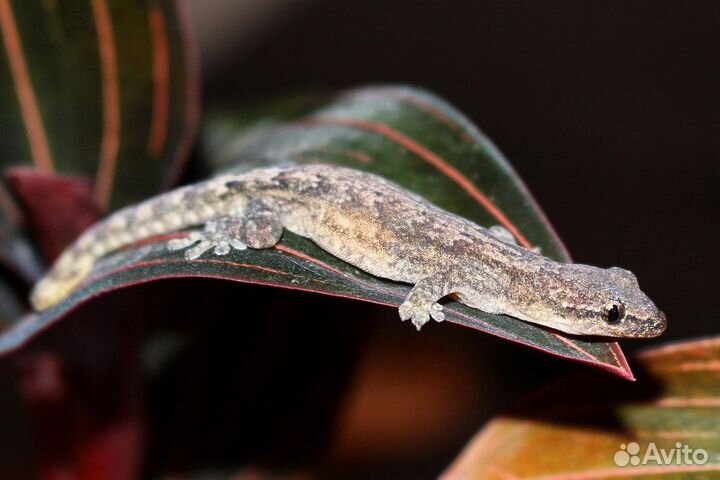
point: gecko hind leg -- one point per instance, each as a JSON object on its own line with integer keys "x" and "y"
{"x": 502, "y": 233}
{"x": 261, "y": 227}
{"x": 221, "y": 234}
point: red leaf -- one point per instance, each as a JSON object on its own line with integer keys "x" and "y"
{"x": 58, "y": 208}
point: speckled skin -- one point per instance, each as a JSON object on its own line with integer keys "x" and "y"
{"x": 380, "y": 228}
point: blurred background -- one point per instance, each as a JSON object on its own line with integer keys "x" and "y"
{"x": 610, "y": 112}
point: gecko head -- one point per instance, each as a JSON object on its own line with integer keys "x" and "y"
{"x": 609, "y": 302}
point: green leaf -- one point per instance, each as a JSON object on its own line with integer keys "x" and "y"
{"x": 406, "y": 135}
{"x": 101, "y": 88}
{"x": 586, "y": 427}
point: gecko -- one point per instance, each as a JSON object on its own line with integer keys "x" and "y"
{"x": 380, "y": 228}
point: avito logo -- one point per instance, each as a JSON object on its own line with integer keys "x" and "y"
{"x": 680, "y": 455}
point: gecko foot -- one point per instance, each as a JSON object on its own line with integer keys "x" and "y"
{"x": 216, "y": 235}
{"x": 419, "y": 308}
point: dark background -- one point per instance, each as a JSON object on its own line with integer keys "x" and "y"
{"x": 608, "y": 110}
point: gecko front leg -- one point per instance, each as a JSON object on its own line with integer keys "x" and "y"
{"x": 259, "y": 228}
{"x": 422, "y": 302}
{"x": 474, "y": 285}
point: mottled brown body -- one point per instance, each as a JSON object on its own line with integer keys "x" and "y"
{"x": 382, "y": 229}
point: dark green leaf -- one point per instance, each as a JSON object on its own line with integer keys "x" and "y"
{"x": 406, "y": 135}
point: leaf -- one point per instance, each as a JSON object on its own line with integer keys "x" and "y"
{"x": 575, "y": 428}
{"x": 101, "y": 88}
{"x": 68, "y": 198}
{"x": 406, "y": 135}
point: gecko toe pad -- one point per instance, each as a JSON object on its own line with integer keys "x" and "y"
{"x": 184, "y": 242}
{"x": 201, "y": 242}
{"x": 419, "y": 310}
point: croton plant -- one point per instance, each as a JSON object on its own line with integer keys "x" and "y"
{"x": 99, "y": 109}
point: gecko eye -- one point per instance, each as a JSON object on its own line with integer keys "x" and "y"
{"x": 613, "y": 312}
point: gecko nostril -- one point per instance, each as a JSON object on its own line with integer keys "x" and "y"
{"x": 657, "y": 324}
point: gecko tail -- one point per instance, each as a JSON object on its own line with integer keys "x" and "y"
{"x": 59, "y": 283}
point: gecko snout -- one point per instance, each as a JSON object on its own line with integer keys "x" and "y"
{"x": 653, "y": 326}
{"x": 660, "y": 324}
